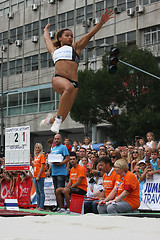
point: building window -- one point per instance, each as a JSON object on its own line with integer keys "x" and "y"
{"x": 131, "y": 3}
{"x": 18, "y": 66}
{"x": 99, "y": 49}
{"x": 5, "y": 37}
{"x": 13, "y": 34}
{"x": 12, "y": 67}
{"x": 20, "y": 4}
{"x": 34, "y": 62}
{"x": 89, "y": 11}
{"x": 70, "y": 18}
{"x": 19, "y": 33}
{"x": 47, "y": 99}
{"x": 44, "y": 22}
{"x": 4, "y": 69}
{"x": 50, "y": 60}
{"x": 99, "y": 9}
{"x": 35, "y": 26}
{"x": 30, "y": 101}
{"x": 43, "y": 60}
{"x": 121, "y": 38}
{"x": 131, "y": 36}
{"x": 61, "y": 20}
{"x": 52, "y": 22}
{"x": 27, "y": 31}
{"x": 80, "y": 15}
{"x": 90, "y": 49}
{"x": 27, "y": 64}
{"x": 152, "y": 35}
{"x": 110, "y": 4}
{"x": 121, "y": 4}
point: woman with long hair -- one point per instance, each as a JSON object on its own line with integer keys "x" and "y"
{"x": 66, "y": 56}
{"x": 39, "y": 175}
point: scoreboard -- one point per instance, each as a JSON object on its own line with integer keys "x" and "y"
{"x": 17, "y": 148}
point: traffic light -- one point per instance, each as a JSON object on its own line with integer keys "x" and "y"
{"x": 113, "y": 60}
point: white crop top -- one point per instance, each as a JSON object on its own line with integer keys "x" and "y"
{"x": 65, "y": 53}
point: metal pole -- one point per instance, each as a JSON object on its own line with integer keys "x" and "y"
{"x": 2, "y": 112}
{"x": 152, "y": 75}
{"x": 86, "y": 58}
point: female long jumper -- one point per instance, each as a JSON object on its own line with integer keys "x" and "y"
{"x": 66, "y": 58}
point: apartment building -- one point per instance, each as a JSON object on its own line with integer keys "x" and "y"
{"x": 27, "y": 67}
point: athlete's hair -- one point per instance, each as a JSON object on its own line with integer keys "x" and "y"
{"x": 57, "y": 43}
{"x": 122, "y": 164}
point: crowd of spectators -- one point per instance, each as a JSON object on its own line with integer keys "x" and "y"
{"x": 142, "y": 159}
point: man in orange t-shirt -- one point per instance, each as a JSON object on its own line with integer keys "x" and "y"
{"x": 77, "y": 184}
{"x": 109, "y": 180}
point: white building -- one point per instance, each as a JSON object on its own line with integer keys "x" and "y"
{"x": 28, "y": 68}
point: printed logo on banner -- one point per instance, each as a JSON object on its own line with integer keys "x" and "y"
{"x": 24, "y": 194}
{"x": 151, "y": 193}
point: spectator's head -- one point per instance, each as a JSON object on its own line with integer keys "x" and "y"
{"x": 88, "y": 152}
{"x": 50, "y": 142}
{"x": 82, "y": 152}
{"x": 130, "y": 148}
{"x": 142, "y": 165}
{"x": 154, "y": 154}
{"x": 121, "y": 166}
{"x": 66, "y": 141}
{"x": 85, "y": 160}
{"x": 105, "y": 164}
{"x": 86, "y": 140}
{"x": 136, "y": 155}
{"x": 102, "y": 153}
{"x": 109, "y": 144}
{"x": 57, "y": 139}
{"x": 150, "y": 136}
{"x": 38, "y": 149}
{"x": 114, "y": 156}
{"x": 147, "y": 152}
{"x": 94, "y": 158}
{"x": 73, "y": 159}
{"x": 75, "y": 143}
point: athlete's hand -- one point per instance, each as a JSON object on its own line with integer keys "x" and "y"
{"x": 107, "y": 15}
{"x": 46, "y": 27}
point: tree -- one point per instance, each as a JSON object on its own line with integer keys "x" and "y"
{"x": 135, "y": 93}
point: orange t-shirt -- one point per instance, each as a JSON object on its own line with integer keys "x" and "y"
{"x": 38, "y": 160}
{"x": 109, "y": 181}
{"x": 131, "y": 184}
{"x": 77, "y": 172}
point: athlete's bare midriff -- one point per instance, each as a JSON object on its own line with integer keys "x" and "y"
{"x": 67, "y": 69}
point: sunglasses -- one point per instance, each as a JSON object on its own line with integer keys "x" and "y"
{"x": 135, "y": 152}
{"x": 113, "y": 157}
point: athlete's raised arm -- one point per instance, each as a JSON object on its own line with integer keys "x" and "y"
{"x": 48, "y": 41}
{"x": 80, "y": 44}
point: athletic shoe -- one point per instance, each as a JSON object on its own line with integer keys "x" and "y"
{"x": 46, "y": 121}
{"x": 67, "y": 211}
{"x": 56, "y": 125}
{"x": 61, "y": 210}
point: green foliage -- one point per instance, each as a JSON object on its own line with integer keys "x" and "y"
{"x": 129, "y": 89}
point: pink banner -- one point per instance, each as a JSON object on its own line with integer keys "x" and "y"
{"x": 24, "y": 191}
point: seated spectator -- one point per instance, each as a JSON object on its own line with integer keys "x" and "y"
{"x": 94, "y": 151}
{"x": 125, "y": 195}
{"x": 77, "y": 184}
{"x": 141, "y": 149}
{"x": 155, "y": 163}
{"x": 151, "y": 143}
{"x": 86, "y": 143}
{"x": 139, "y": 141}
{"x": 109, "y": 179}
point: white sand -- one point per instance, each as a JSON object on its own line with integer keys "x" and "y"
{"x": 85, "y": 227}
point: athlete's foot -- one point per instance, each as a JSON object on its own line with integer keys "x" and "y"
{"x": 56, "y": 125}
{"x": 46, "y": 121}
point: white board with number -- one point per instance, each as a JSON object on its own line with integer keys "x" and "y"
{"x": 17, "y": 148}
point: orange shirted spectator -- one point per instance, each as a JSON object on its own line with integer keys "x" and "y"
{"x": 125, "y": 195}
{"x": 39, "y": 175}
